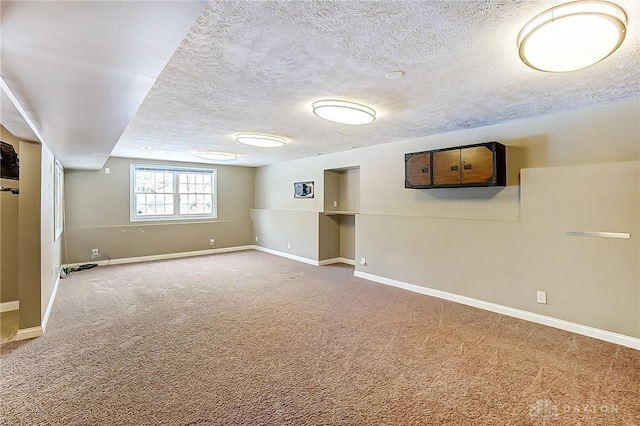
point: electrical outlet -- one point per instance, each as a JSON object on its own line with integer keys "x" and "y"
{"x": 335, "y": 204}
{"x": 95, "y": 253}
{"x": 541, "y": 297}
{"x": 107, "y": 171}
{"x": 288, "y": 245}
{"x": 212, "y": 242}
{"x": 256, "y": 238}
{"x": 363, "y": 261}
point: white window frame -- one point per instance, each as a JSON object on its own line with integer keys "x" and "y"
{"x": 134, "y": 217}
{"x": 58, "y": 200}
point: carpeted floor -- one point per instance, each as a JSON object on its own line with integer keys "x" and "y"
{"x": 249, "y": 338}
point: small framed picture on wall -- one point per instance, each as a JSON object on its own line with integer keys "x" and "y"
{"x": 303, "y": 189}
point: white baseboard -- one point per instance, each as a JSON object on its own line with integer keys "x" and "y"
{"x": 13, "y": 305}
{"x": 306, "y": 259}
{"x": 163, "y": 256}
{"x": 337, "y": 260}
{"x": 29, "y": 333}
{"x": 47, "y": 312}
{"x": 287, "y": 255}
{"x": 608, "y": 336}
{"x": 215, "y": 251}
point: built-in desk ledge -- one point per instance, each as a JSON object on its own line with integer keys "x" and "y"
{"x": 342, "y": 212}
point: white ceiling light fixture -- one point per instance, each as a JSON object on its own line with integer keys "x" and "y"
{"x": 394, "y": 75}
{"x": 263, "y": 141}
{"x": 215, "y": 155}
{"x": 344, "y": 112}
{"x": 572, "y": 36}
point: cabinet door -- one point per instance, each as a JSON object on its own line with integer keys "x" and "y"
{"x": 446, "y": 167}
{"x": 477, "y": 164}
{"x": 419, "y": 169}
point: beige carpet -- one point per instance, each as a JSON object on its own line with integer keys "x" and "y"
{"x": 252, "y": 339}
{"x": 8, "y": 326}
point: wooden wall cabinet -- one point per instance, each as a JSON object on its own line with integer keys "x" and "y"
{"x": 458, "y": 167}
{"x": 418, "y": 168}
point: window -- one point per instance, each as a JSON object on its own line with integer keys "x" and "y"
{"x": 172, "y": 193}
{"x": 58, "y": 200}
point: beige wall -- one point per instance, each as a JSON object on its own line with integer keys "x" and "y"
{"x": 274, "y": 190}
{"x": 97, "y": 215}
{"x": 347, "y": 237}
{"x": 500, "y": 244}
{"x": 336, "y": 236}
{"x": 30, "y": 256}
{"x": 350, "y": 190}
{"x": 331, "y": 186}
{"x": 341, "y": 187}
{"x": 51, "y": 251}
{"x": 9, "y": 231}
{"x": 591, "y": 281}
{"x": 276, "y": 229}
{"x": 328, "y": 237}
{"x": 30, "y": 240}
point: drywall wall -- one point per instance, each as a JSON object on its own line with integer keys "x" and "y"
{"x": 51, "y": 253}
{"x": 336, "y": 236}
{"x": 592, "y": 281}
{"x": 291, "y": 232}
{"x": 350, "y": 190}
{"x": 331, "y": 185}
{"x": 9, "y": 231}
{"x": 29, "y": 234}
{"x": 347, "y": 237}
{"x": 30, "y": 256}
{"x": 329, "y": 237}
{"x": 485, "y": 229}
{"x": 97, "y": 215}
{"x": 342, "y": 190}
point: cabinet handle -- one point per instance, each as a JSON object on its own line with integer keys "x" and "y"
{"x": 454, "y": 168}
{"x": 467, "y": 166}
{"x": 425, "y": 170}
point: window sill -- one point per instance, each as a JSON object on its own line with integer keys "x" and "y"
{"x": 195, "y": 219}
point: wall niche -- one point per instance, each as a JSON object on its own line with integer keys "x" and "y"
{"x": 341, "y": 204}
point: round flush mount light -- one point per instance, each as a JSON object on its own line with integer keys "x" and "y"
{"x": 394, "y": 75}
{"x": 214, "y": 155}
{"x": 572, "y": 36}
{"x": 263, "y": 141}
{"x": 344, "y": 112}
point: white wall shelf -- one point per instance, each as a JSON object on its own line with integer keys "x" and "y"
{"x": 342, "y": 212}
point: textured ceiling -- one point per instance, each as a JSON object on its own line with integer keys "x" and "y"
{"x": 80, "y": 70}
{"x": 256, "y": 66}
